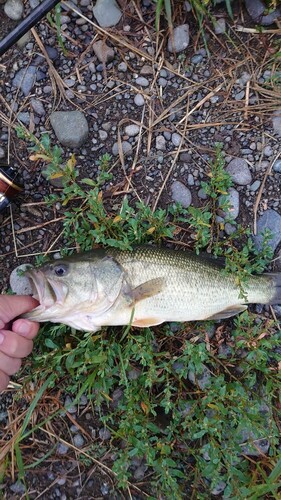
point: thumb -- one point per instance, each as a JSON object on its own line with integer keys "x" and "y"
{"x": 12, "y": 306}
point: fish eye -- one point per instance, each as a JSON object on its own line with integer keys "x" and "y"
{"x": 60, "y": 269}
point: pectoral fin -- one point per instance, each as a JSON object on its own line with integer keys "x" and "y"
{"x": 148, "y": 289}
{"x": 228, "y": 312}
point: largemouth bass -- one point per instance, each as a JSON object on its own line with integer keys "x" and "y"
{"x": 144, "y": 287}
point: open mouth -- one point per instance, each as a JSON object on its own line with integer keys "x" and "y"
{"x": 47, "y": 291}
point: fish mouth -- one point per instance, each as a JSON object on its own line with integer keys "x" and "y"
{"x": 47, "y": 291}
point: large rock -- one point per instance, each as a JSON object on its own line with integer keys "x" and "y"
{"x": 70, "y": 127}
{"x": 107, "y": 13}
{"x": 269, "y": 220}
{"x": 180, "y": 39}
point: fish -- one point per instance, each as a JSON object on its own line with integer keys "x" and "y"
{"x": 143, "y": 287}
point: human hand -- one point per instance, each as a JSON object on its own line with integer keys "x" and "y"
{"x": 16, "y": 339}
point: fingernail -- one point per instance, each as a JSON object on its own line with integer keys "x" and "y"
{"x": 24, "y": 327}
{"x": 2, "y": 338}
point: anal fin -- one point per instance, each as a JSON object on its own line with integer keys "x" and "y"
{"x": 146, "y": 322}
{"x": 228, "y": 312}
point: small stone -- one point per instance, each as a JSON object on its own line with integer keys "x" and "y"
{"x": 18, "y": 488}
{"x": 140, "y": 472}
{"x": 239, "y": 171}
{"x": 132, "y": 130}
{"x": 277, "y": 166}
{"x": 276, "y": 122}
{"x": 139, "y": 100}
{"x": 268, "y": 151}
{"x": 122, "y": 67}
{"x": 14, "y": 9}
{"x": 229, "y": 228}
{"x": 52, "y": 52}
{"x": 181, "y": 194}
{"x": 162, "y": 82}
{"x": 25, "y": 79}
{"x": 107, "y": 13}
{"x": 62, "y": 448}
{"x": 160, "y": 143}
{"x": 103, "y": 135}
{"x": 202, "y": 194}
{"x": 104, "y": 489}
{"x": 21, "y": 284}
{"x": 219, "y": 488}
{"x": 240, "y": 95}
{"x": 78, "y": 440}
{"x": 147, "y": 70}
{"x": 70, "y": 127}
{"x": 21, "y": 43}
{"x": 24, "y": 117}
{"x": 203, "y": 380}
{"x": 142, "y": 81}
{"x": 126, "y": 148}
{"x": 190, "y": 180}
{"x": 180, "y": 39}
{"x": 2, "y": 153}
{"x": 197, "y": 59}
{"x": 104, "y": 434}
{"x": 69, "y": 406}
{"x": 255, "y": 186}
{"x": 269, "y": 220}
{"x": 104, "y": 53}
{"x": 176, "y": 139}
{"x": 220, "y": 26}
{"x": 37, "y": 106}
{"x": 233, "y": 200}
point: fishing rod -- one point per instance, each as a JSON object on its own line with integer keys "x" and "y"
{"x": 26, "y": 24}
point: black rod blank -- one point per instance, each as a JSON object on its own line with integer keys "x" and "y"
{"x": 26, "y": 24}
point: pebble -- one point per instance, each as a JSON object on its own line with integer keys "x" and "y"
{"x": 197, "y": 59}
{"x": 2, "y": 153}
{"x": 122, "y": 67}
{"x": 69, "y": 406}
{"x": 220, "y": 26}
{"x": 142, "y": 81}
{"x": 18, "y": 488}
{"x": 25, "y": 79}
{"x": 139, "y": 100}
{"x": 277, "y": 166}
{"x": 21, "y": 43}
{"x": 229, "y": 228}
{"x": 126, "y": 148}
{"x": 132, "y": 130}
{"x": 255, "y": 186}
{"x": 203, "y": 380}
{"x": 162, "y": 82}
{"x": 268, "y": 151}
{"x": 103, "y": 135}
{"x": 160, "y": 143}
{"x": 239, "y": 171}
{"x": 52, "y": 52}
{"x": 104, "y": 53}
{"x": 62, "y": 449}
{"x": 202, "y": 194}
{"x": 37, "y": 106}
{"x": 14, "y": 9}
{"x": 24, "y": 117}
{"x": 256, "y": 8}
{"x": 271, "y": 220}
{"x": 78, "y": 440}
{"x": 70, "y": 127}
{"x": 181, "y": 194}
{"x": 20, "y": 284}
{"x": 107, "y": 13}
{"x": 104, "y": 489}
{"x": 240, "y": 95}
{"x": 176, "y": 139}
{"x": 104, "y": 434}
{"x": 233, "y": 200}
{"x": 276, "y": 122}
{"x": 219, "y": 488}
{"x": 252, "y": 446}
{"x": 147, "y": 70}
{"x": 180, "y": 39}
{"x": 140, "y": 472}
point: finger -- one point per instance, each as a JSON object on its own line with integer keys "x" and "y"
{"x": 14, "y": 345}
{"x": 26, "y": 328}
{"x": 4, "y": 380}
{"x": 9, "y": 365}
{"x": 12, "y": 306}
